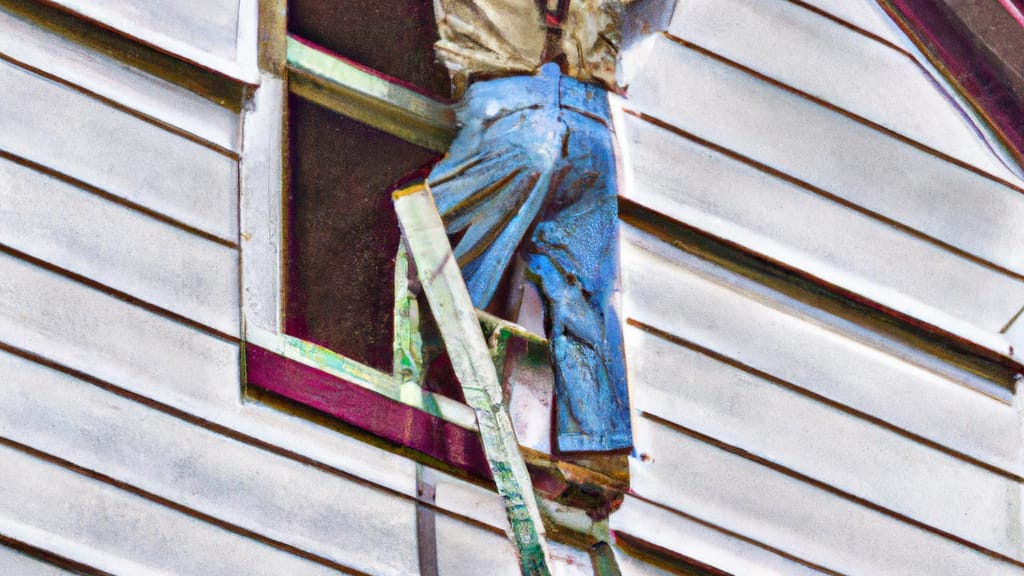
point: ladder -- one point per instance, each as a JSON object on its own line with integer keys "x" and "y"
{"x": 471, "y": 357}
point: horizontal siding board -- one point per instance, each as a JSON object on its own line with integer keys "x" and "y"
{"x": 863, "y": 14}
{"x": 15, "y": 563}
{"x": 829, "y": 61}
{"x": 212, "y": 29}
{"x": 687, "y": 474}
{"x": 323, "y": 445}
{"x": 107, "y": 77}
{"x": 119, "y": 247}
{"x": 290, "y": 502}
{"x": 780, "y": 425}
{"x": 691, "y": 299}
{"x": 704, "y": 188}
{"x": 209, "y": 37}
{"x": 84, "y": 329}
{"x": 464, "y": 549}
{"x": 76, "y": 135}
{"x": 97, "y": 524}
{"x": 689, "y": 538}
{"x": 634, "y": 566}
{"x": 75, "y": 326}
{"x": 830, "y": 151}
{"x": 466, "y": 499}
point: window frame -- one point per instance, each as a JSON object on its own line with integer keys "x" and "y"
{"x": 381, "y": 404}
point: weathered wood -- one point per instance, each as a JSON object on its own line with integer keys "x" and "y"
{"x": 273, "y": 29}
{"x": 356, "y": 92}
{"x": 393, "y": 420}
{"x": 453, "y": 311}
{"x": 468, "y": 550}
{"x": 604, "y": 560}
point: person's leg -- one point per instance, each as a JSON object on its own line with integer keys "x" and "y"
{"x": 492, "y": 194}
{"x": 573, "y": 259}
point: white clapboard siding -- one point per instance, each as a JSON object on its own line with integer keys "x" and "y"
{"x": 706, "y": 189}
{"x": 787, "y": 514}
{"x": 633, "y": 566}
{"x": 72, "y": 133}
{"x": 693, "y": 300}
{"x": 87, "y": 330}
{"x": 15, "y": 563}
{"x": 217, "y": 34}
{"x": 826, "y": 149}
{"x": 827, "y": 60}
{"x": 84, "y": 329}
{"x": 464, "y": 549}
{"x": 702, "y": 542}
{"x": 300, "y": 505}
{"x": 821, "y": 442}
{"x": 863, "y": 14}
{"x": 466, "y": 499}
{"x": 119, "y": 247}
{"x": 102, "y": 75}
{"x": 97, "y": 524}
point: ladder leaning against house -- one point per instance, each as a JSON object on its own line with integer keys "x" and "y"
{"x": 472, "y": 360}
{"x": 360, "y": 94}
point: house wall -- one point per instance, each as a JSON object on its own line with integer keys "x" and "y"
{"x": 778, "y": 429}
{"x": 126, "y": 445}
{"x": 768, "y": 417}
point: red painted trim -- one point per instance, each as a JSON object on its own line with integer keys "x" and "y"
{"x": 367, "y": 410}
{"x": 1016, "y": 10}
{"x": 973, "y": 70}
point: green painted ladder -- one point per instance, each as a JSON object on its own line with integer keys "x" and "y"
{"x": 473, "y": 363}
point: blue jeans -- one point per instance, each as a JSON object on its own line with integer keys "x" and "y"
{"x": 533, "y": 167}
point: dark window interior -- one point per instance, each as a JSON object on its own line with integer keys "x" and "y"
{"x": 395, "y": 37}
{"x": 342, "y": 233}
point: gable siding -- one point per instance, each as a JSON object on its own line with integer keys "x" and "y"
{"x": 806, "y": 435}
